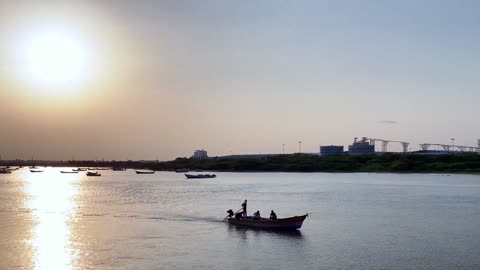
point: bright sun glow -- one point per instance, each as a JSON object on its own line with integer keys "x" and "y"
{"x": 55, "y": 60}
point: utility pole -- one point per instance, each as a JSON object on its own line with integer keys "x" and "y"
{"x": 283, "y": 148}
{"x": 453, "y": 142}
{"x": 299, "y": 147}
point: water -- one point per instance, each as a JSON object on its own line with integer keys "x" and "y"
{"x": 126, "y": 221}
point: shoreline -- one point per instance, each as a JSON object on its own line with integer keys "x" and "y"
{"x": 386, "y": 163}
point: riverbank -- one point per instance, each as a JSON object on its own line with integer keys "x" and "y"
{"x": 359, "y": 163}
{"x": 406, "y": 163}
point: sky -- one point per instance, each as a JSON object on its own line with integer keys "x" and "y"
{"x": 158, "y": 79}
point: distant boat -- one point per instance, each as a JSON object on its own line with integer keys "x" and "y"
{"x": 192, "y": 176}
{"x": 118, "y": 169}
{"x": 69, "y": 171}
{"x": 36, "y": 171}
{"x": 79, "y": 169}
{"x": 182, "y": 170}
{"x": 144, "y": 172}
{"x": 4, "y": 171}
{"x": 93, "y": 174}
{"x": 102, "y": 169}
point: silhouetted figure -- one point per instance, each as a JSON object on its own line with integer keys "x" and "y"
{"x": 238, "y": 215}
{"x": 256, "y": 215}
{"x": 273, "y": 216}
{"x": 230, "y": 213}
{"x": 244, "y": 209}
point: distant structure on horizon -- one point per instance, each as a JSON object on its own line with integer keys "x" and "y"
{"x": 361, "y": 147}
{"x": 331, "y": 150}
{"x": 200, "y": 154}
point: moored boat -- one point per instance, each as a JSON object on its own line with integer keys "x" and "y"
{"x": 144, "y": 172}
{"x": 69, "y": 171}
{"x": 193, "y": 176}
{"x": 118, "y": 169}
{"x": 182, "y": 170}
{"x": 36, "y": 171}
{"x": 79, "y": 169}
{"x": 5, "y": 171}
{"x": 93, "y": 174}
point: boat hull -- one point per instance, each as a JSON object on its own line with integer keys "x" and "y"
{"x": 200, "y": 176}
{"x": 140, "y": 172}
{"x": 291, "y": 223}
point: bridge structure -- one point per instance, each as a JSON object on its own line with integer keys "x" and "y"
{"x": 385, "y": 143}
{"x": 452, "y": 147}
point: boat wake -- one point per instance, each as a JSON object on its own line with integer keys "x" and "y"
{"x": 176, "y": 218}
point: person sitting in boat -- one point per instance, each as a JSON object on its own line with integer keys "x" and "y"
{"x": 238, "y": 215}
{"x": 244, "y": 209}
{"x": 230, "y": 213}
{"x": 273, "y": 216}
{"x": 256, "y": 215}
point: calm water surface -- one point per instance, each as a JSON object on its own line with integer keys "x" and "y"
{"x": 126, "y": 221}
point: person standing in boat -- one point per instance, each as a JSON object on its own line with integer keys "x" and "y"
{"x": 273, "y": 216}
{"x": 244, "y": 209}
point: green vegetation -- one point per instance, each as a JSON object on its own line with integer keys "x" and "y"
{"x": 468, "y": 163}
{"x": 399, "y": 163}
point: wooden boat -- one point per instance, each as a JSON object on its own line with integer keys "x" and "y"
{"x": 193, "y": 176}
{"x": 69, "y": 171}
{"x": 93, "y": 174}
{"x": 144, "y": 172}
{"x": 290, "y": 223}
{"x": 5, "y": 171}
{"x": 36, "y": 171}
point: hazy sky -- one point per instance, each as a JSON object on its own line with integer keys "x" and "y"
{"x": 163, "y": 78}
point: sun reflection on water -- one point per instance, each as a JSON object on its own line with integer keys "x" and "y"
{"x": 51, "y": 199}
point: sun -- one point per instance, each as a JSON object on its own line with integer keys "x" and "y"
{"x": 55, "y": 60}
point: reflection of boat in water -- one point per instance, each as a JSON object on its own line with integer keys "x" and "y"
{"x": 36, "y": 171}
{"x": 4, "y": 171}
{"x": 243, "y": 230}
{"x": 79, "y": 169}
{"x": 93, "y": 174}
{"x": 69, "y": 171}
{"x": 193, "y": 176}
{"x": 144, "y": 172}
{"x": 274, "y": 223}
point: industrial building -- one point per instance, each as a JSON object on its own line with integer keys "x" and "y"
{"x": 361, "y": 147}
{"x": 200, "y": 154}
{"x": 331, "y": 150}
